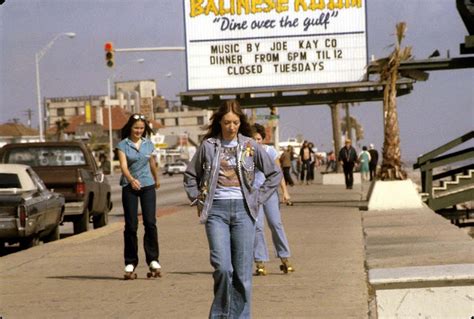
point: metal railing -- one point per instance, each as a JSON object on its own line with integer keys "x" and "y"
{"x": 461, "y": 161}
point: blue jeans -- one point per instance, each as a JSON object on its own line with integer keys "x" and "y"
{"x": 271, "y": 210}
{"x": 231, "y": 231}
{"x": 130, "y": 197}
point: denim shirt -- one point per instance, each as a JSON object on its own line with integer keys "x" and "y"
{"x": 200, "y": 178}
{"x": 138, "y": 161}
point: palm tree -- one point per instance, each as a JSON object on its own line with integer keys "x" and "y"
{"x": 388, "y": 67}
{"x": 352, "y": 123}
{"x": 61, "y": 125}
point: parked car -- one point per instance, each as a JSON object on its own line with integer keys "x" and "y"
{"x": 68, "y": 168}
{"x": 29, "y": 212}
{"x": 174, "y": 168}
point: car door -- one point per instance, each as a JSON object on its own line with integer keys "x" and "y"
{"x": 50, "y": 204}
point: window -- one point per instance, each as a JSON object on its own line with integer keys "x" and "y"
{"x": 200, "y": 120}
{"x": 46, "y": 156}
{"x": 60, "y": 111}
{"x": 176, "y": 121}
{"x": 8, "y": 180}
{"x": 36, "y": 180}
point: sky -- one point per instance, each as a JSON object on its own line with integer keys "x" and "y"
{"x": 436, "y": 111}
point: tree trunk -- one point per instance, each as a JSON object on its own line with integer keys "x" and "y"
{"x": 348, "y": 122}
{"x": 336, "y": 132}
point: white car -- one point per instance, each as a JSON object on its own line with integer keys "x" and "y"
{"x": 29, "y": 212}
{"x": 174, "y": 168}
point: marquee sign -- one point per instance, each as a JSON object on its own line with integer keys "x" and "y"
{"x": 265, "y": 43}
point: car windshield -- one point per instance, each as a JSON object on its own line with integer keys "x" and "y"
{"x": 47, "y": 156}
{"x": 8, "y": 180}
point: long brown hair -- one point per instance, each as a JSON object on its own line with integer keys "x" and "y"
{"x": 214, "y": 128}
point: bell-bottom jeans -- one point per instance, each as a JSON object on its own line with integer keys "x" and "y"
{"x": 231, "y": 231}
{"x": 271, "y": 210}
{"x": 147, "y": 197}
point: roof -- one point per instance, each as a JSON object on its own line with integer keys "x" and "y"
{"x": 20, "y": 170}
{"x": 119, "y": 118}
{"x": 17, "y": 129}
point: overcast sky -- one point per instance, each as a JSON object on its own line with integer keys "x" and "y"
{"x": 435, "y": 112}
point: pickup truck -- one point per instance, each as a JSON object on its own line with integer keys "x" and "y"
{"x": 29, "y": 212}
{"x": 68, "y": 168}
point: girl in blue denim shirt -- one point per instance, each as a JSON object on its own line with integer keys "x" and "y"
{"x": 219, "y": 180}
{"x": 139, "y": 180}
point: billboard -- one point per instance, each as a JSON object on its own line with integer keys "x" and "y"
{"x": 265, "y": 43}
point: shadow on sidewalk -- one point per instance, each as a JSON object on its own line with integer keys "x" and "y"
{"x": 86, "y": 277}
{"x": 191, "y": 273}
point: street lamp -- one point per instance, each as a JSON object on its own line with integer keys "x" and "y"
{"x": 38, "y": 56}
{"x": 109, "y": 106}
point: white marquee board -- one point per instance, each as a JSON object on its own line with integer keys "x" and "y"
{"x": 265, "y": 43}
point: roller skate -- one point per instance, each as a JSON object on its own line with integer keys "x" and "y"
{"x": 130, "y": 272}
{"x": 286, "y": 267}
{"x": 155, "y": 270}
{"x": 261, "y": 271}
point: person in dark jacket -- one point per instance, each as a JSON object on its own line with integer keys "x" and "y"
{"x": 348, "y": 159}
{"x": 374, "y": 158}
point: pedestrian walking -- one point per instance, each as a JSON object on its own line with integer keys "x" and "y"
{"x": 331, "y": 162}
{"x": 285, "y": 162}
{"x": 348, "y": 159}
{"x": 270, "y": 210}
{"x": 374, "y": 159}
{"x": 312, "y": 163}
{"x": 305, "y": 160}
{"x": 219, "y": 180}
{"x": 139, "y": 180}
{"x": 294, "y": 162}
{"x": 364, "y": 160}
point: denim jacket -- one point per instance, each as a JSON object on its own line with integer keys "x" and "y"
{"x": 200, "y": 178}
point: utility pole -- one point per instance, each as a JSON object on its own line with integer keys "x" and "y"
{"x": 29, "y": 113}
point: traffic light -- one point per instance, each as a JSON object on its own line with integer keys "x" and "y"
{"x": 109, "y": 54}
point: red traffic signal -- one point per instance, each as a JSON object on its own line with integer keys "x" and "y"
{"x": 109, "y": 54}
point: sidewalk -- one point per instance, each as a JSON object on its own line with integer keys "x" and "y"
{"x": 81, "y": 276}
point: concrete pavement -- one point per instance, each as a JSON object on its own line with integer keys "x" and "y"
{"x": 81, "y": 276}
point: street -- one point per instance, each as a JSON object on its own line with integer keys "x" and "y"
{"x": 170, "y": 196}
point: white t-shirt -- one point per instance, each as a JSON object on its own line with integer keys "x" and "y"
{"x": 228, "y": 183}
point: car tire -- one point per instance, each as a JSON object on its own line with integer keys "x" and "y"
{"x": 29, "y": 242}
{"x": 100, "y": 220}
{"x": 81, "y": 224}
{"x": 52, "y": 236}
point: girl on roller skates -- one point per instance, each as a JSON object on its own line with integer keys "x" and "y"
{"x": 271, "y": 210}
{"x": 219, "y": 180}
{"x": 139, "y": 181}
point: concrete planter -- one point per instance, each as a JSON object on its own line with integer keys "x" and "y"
{"x": 385, "y": 195}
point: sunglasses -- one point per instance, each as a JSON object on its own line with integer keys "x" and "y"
{"x": 139, "y": 117}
